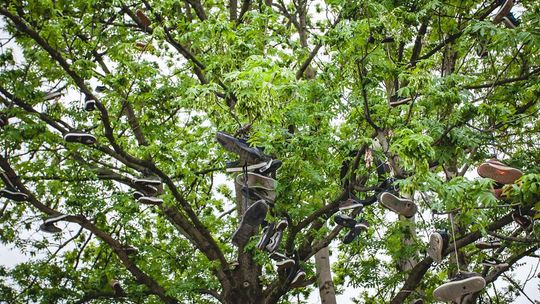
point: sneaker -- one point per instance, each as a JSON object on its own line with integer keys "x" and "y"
{"x": 101, "y": 88}
{"x": 354, "y": 232}
{"x": 267, "y": 233}
{"x": 149, "y": 190}
{"x": 252, "y": 218}
{"x": 258, "y": 194}
{"x": 297, "y": 279}
{"x": 273, "y": 244}
{"x": 257, "y": 181}
{"x": 145, "y": 181}
{"x": 150, "y": 200}
{"x": 521, "y": 220}
{"x": 345, "y": 220}
{"x": 83, "y": 138}
{"x": 248, "y": 155}
{"x": 510, "y": 21}
{"x": 401, "y": 206}
{"x": 129, "y": 250}
{"x": 52, "y": 95}
{"x": 464, "y": 283}
{"x": 13, "y": 195}
{"x": 499, "y": 172}
{"x": 143, "y": 18}
{"x": 350, "y": 204}
{"x": 117, "y": 288}
{"x": 506, "y": 6}
{"x": 494, "y": 263}
{"x": 137, "y": 195}
{"x": 489, "y": 244}
{"x": 438, "y": 242}
{"x": 282, "y": 261}
{"x": 48, "y": 224}
{"x": 89, "y": 104}
{"x": 418, "y": 301}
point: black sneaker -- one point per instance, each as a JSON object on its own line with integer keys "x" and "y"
{"x": 145, "y": 181}
{"x": 521, "y": 220}
{"x": 276, "y": 237}
{"x": 149, "y": 190}
{"x": 489, "y": 244}
{"x": 117, "y": 288}
{"x": 354, "y": 232}
{"x": 248, "y": 155}
{"x": 79, "y": 137}
{"x": 345, "y": 220}
{"x": 510, "y": 21}
{"x": 48, "y": 223}
{"x": 282, "y": 261}
{"x": 252, "y": 218}
{"x": 89, "y": 104}
{"x": 494, "y": 263}
{"x": 150, "y": 200}
{"x": 101, "y": 88}
{"x": 401, "y": 206}
{"x": 297, "y": 278}
{"x": 267, "y": 233}
{"x": 462, "y": 284}
{"x": 13, "y": 194}
{"x": 438, "y": 242}
{"x": 506, "y": 6}
{"x": 350, "y": 204}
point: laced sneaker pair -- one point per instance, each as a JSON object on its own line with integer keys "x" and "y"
{"x": 149, "y": 186}
{"x": 402, "y": 206}
{"x": 272, "y": 235}
{"x": 80, "y": 137}
{"x": 462, "y": 284}
{"x": 355, "y": 227}
{"x": 438, "y": 243}
{"x": 251, "y": 220}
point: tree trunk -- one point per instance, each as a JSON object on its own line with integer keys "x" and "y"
{"x": 324, "y": 276}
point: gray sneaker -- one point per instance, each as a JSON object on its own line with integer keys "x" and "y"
{"x": 248, "y": 155}
{"x": 251, "y": 220}
{"x": 401, "y": 206}
{"x": 438, "y": 242}
{"x": 48, "y": 224}
{"x": 462, "y": 284}
{"x": 257, "y": 181}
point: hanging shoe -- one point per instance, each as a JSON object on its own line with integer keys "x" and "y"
{"x": 89, "y": 104}
{"x": 505, "y": 7}
{"x": 248, "y": 155}
{"x": 143, "y": 18}
{"x": 48, "y": 224}
{"x": 489, "y": 244}
{"x": 354, "y": 232}
{"x": 146, "y": 181}
{"x": 273, "y": 244}
{"x": 52, "y": 95}
{"x": 267, "y": 233}
{"x": 13, "y": 194}
{"x": 130, "y": 250}
{"x": 463, "y": 283}
{"x": 137, "y": 195}
{"x": 344, "y": 220}
{"x": 401, "y": 206}
{"x": 252, "y": 218}
{"x": 438, "y": 242}
{"x": 494, "y": 263}
{"x": 522, "y": 220}
{"x": 510, "y": 21}
{"x": 117, "y": 288}
{"x": 150, "y": 200}
{"x": 499, "y": 172}
{"x": 79, "y": 137}
{"x": 257, "y": 181}
{"x": 418, "y": 301}
{"x": 282, "y": 261}
{"x": 256, "y": 194}
{"x": 350, "y": 204}
{"x": 296, "y": 277}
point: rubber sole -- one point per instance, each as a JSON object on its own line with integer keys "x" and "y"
{"x": 456, "y": 289}
{"x": 401, "y": 206}
{"x": 435, "y": 247}
{"x": 501, "y": 174}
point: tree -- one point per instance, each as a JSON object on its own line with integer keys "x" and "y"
{"x": 323, "y": 86}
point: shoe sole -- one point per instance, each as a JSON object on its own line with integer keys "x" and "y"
{"x": 503, "y": 11}
{"x": 251, "y": 219}
{"x": 248, "y": 168}
{"x": 456, "y": 289}
{"x": 82, "y": 138}
{"x": 150, "y": 200}
{"x": 435, "y": 247}
{"x": 147, "y": 182}
{"x": 353, "y": 206}
{"x": 54, "y": 219}
{"x": 257, "y": 181}
{"x": 391, "y": 202}
{"x": 501, "y": 174}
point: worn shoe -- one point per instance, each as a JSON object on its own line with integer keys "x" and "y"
{"x": 257, "y": 181}
{"x": 506, "y": 6}
{"x": 499, "y": 172}
{"x": 89, "y": 104}
{"x": 252, "y": 218}
{"x": 282, "y": 261}
{"x": 83, "y": 138}
{"x": 463, "y": 283}
{"x": 510, "y": 21}
{"x": 13, "y": 195}
{"x": 489, "y": 244}
{"x": 277, "y": 236}
{"x": 494, "y": 263}
{"x": 48, "y": 223}
{"x": 354, "y": 232}
{"x": 248, "y": 155}
{"x": 345, "y": 220}
{"x": 137, "y": 195}
{"x": 52, "y": 95}
{"x": 4, "y": 120}
{"x": 401, "y": 206}
{"x": 146, "y": 22}
{"x": 117, "y": 288}
{"x": 267, "y": 233}
{"x": 522, "y": 220}
{"x": 150, "y": 200}
{"x": 350, "y": 204}
{"x": 438, "y": 242}
{"x": 149, "y": 180}
{"x": 256, "y": 194}
{"x": 297, "y": 278}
